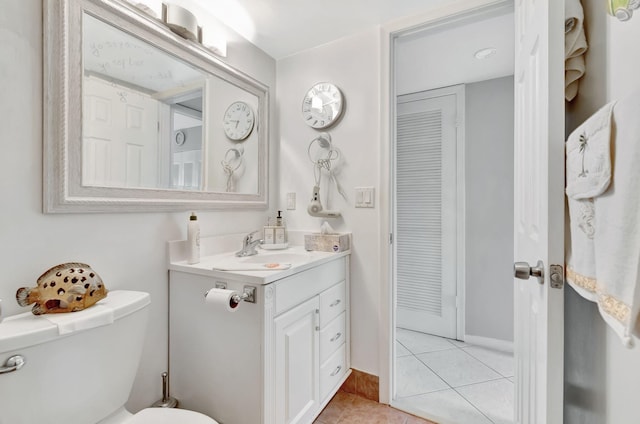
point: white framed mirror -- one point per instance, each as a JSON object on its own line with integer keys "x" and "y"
{"x": 137, "y": 118}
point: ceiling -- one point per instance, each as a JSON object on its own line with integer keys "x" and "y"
{"x": 285, "y": 27}
{"x": 445, "y": 56}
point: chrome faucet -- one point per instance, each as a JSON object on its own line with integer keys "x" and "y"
{"x": 249, "y": 244}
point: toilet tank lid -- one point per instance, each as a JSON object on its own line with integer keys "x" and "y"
{"x": 23, "y": 330}
{"x": 125, "y": 302}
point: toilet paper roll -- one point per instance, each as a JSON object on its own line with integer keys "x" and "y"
{"x": 223, "y": 299}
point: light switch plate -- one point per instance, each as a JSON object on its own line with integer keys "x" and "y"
{"x": 291, "y": 201}
{"x": 365, "y": 197}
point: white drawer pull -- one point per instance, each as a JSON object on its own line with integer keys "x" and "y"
{"x": 336, "y": 303}
{"x": 337, "y": 370}
{"x": 336, "y": 337}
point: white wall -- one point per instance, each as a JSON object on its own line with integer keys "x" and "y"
{"x": 352, "y": 64}
{"x": 489, "y": 209}
{"x": 127, "y": 250}
{"x": 601, "y": 376}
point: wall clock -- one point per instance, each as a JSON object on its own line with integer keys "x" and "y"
{"x": 322, "y": 105}
{"x": 238, "y": 121}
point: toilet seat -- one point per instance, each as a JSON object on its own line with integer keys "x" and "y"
{"x": 169, "y": 416}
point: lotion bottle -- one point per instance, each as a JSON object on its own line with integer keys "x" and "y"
{"x": 193, "y": 239}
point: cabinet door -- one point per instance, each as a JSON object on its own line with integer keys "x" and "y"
{"x": 297, "y": 363}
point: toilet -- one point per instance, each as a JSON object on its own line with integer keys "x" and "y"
{"x": 79, "y": 367}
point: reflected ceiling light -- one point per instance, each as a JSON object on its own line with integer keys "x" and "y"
{"x": 484, "y": 53}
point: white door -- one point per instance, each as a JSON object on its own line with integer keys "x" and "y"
{"x": 297, "y": 363}
{"x": 539, "y": 208}
{"x": 426, "y": 211}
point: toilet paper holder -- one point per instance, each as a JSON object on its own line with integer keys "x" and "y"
{"x": 248, "y": 293}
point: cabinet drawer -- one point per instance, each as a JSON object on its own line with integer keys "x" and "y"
{"x": 332, "y": 303}
{"x": 332, "y": 371}
{"x": 332, "y": 336}
{"x": 293, "y": 290}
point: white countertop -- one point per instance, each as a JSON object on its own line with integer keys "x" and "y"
{"x": 301, "y": 261}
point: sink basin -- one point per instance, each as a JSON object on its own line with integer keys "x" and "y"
{"x": 264, "y": 261}
{"x": 280, "y": 257}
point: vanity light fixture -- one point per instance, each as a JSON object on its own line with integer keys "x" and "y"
{"x": 182, "y": 22}
{"x": 215, "y": 40}
{"x": 485, "y": 53}
{"x": 185, "y": 24}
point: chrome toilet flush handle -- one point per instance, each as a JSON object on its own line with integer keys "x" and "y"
{"x": 14, "y": 363}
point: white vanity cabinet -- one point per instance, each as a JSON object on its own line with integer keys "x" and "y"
{"x": 276, "y": 361}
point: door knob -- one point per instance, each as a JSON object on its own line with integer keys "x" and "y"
{"x": 524, "y": 271}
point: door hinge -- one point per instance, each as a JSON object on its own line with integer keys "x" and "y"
{"x": 556, "y": 276}
{"x": 390, "y": 238}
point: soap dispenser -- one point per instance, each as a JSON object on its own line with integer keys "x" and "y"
{"x": 280, "y": 231}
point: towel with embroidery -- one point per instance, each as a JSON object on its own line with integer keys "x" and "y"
{"x": 603, "y": 261}
{"x": 588, "y": 151}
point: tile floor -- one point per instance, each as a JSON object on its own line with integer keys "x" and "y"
{"x": 453, "y": 381}
{"x": 347, "y": 408}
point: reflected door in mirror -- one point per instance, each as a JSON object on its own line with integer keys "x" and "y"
{"x": 120, "y": 127}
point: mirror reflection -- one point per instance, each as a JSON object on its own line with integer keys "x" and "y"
{"x": 151, "y": 120}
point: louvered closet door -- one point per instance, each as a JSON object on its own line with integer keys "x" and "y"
{"x": 425, "y": 218}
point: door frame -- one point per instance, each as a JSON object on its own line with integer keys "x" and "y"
{"x": 388, "y": 34}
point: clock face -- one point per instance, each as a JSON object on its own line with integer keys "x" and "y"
{"x": 322, "y": 105}
{"x": 238, "y": 121}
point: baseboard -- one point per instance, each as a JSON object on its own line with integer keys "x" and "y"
{"x": 497, "y": 344}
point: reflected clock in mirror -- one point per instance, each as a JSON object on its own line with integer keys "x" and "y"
{"x": 238, "y": 121}
{"x": 148, "y": 136}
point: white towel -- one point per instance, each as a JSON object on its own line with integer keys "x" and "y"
{"x": 94, "y": 316}
{"x": 575, "y": 46}
{"x": 574, "y": 69}
{"x": 603, "y": 263}
{"x": 588, "y": 156}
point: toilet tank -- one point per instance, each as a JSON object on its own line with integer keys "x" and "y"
{"x": 79, "y": 367}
